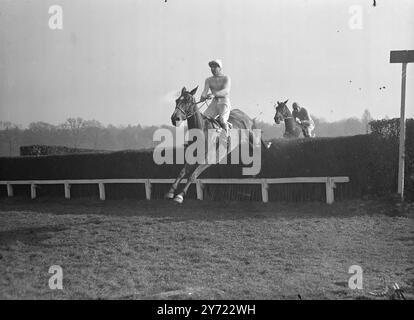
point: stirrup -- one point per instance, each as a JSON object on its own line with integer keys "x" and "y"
{"x": 221, "y": 128}
{"x": 220, "y": 131}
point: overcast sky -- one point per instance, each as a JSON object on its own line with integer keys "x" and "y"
{"x": 122, "y": 61}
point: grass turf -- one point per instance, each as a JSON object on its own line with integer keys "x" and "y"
{"x": 202, "y": 250}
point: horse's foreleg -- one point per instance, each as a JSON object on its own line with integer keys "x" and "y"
{"x": 197, "y": 171}
{"x": 170, "y": 194}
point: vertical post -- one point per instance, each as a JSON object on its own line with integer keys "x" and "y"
{"x": 199, "y": 187}
{"x": 9, "y": 190}
{"x": 101, "y": 191}
{"x": 329, "y": 190}
{"x": 404, "y": 57}
{"x": 67, "y": 190}
{"x": 401, "y": 153}
{"x": 265, "y": 191}
{"x": 148, "y": 189}
{"x": 33, "y": 191}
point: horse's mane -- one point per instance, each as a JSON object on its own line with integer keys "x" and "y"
{"x": 238, "y": 118}
{"x": 285, "y": 107}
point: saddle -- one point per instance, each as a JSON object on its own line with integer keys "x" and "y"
{"x": 216, "y": 124}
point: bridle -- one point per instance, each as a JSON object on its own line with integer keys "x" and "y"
{"x": 189, "y": 115}
{"x": 283, "y": 113}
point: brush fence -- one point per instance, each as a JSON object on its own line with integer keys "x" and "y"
{"x": 328, "y": 181}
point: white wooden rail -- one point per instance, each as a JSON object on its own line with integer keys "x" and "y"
{"x": 264, "y": 182}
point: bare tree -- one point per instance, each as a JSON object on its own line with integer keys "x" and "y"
{"x": 40, "y": 133}
{"x": 93, "y": 130}
{"x": 9, "y": 134}
{"x": 75, "y": 127}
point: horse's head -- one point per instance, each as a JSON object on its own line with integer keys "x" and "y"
{"x": 184, "y": 106}
{"x": 282, "y": 111}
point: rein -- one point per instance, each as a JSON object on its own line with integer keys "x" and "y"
{"x": 286, "y": 112}
{"x": 189, "y": 115}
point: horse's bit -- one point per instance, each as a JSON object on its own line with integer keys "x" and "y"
{"x": 189, "y": 115}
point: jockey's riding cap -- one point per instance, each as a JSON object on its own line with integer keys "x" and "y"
{"x": 216, "y": 62}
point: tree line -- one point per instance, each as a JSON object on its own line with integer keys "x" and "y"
{"x": 91, "y": 134}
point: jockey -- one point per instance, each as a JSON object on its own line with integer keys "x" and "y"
{"x": 302, "y": 117}
{"x": 219, "y": 84}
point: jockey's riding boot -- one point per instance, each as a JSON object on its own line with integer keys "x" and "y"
{"x": 226, "y": 128}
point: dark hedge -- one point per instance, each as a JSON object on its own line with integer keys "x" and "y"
{"x": 43, "y": 150}
{"x": 371, "y": 162}
{"x": 388, "y": 132}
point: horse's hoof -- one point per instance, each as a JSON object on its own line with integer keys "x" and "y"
{"x": 179, "y": 198}
{"x": 169, "y": 195}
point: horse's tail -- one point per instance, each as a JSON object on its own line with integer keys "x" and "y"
{"x": 265, "y": 145}
{"x": 254, "y": 123}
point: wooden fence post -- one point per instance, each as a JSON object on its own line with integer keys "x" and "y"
{"x": 67, "y": 190}
{"x": 101, "y": 191}
{"x": 148, "y": 189}
{"x": 9, "y": 190}
{"x": 265, "y": 191}
{"x": 329, "y": 190}
{"x": 33, "y": 190}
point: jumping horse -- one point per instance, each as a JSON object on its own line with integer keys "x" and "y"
{"x": 186, "y": 109}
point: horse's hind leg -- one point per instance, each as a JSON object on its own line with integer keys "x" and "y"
{"x": 198, "y": 170}
{"x": 170, "y": 194}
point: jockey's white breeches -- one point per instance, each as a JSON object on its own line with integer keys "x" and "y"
{"x": 219, "y": 107}
{"x": 308, "y": 126}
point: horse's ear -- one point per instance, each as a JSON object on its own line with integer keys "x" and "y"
{"x": 192, "y": 92}
{"x": 183, "y": 90}
{"x": 278, "y": 102}
{"x": 286, "y": 101}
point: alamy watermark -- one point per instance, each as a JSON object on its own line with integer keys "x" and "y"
{"x": 355, "y": 281}
{"x": 56, "y": 280}
{"x": 210, "y": 148}
{"x": 355, "y": 21}
{"x": 56, "y": 19}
